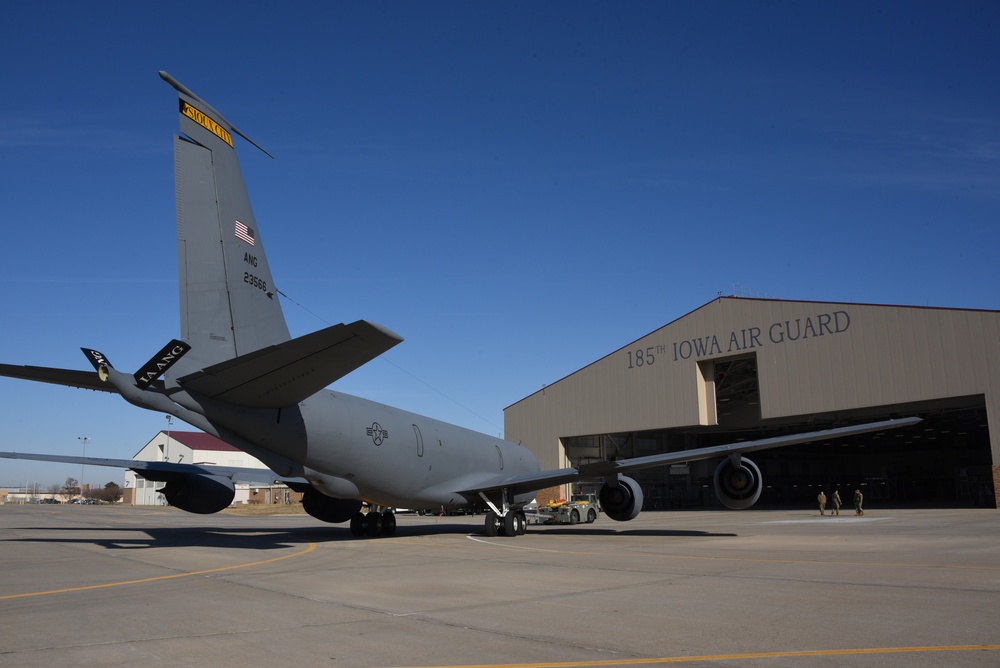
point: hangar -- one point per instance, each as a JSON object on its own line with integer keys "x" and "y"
{"x": 745, "y": 368}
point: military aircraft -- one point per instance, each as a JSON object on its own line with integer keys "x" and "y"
{"x": 238, "y": 374}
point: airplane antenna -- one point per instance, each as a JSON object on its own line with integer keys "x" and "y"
{"x": 454, "y": 401}
{"x": 385, "y": 359}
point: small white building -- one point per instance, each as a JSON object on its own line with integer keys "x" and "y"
{"x": 184, "y": 447}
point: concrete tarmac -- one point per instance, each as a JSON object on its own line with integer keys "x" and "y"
{"x": 117, "y": 586}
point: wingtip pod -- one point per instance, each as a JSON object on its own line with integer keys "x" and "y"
{"x": 207, "y": 108}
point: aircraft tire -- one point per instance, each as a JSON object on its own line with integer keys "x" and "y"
{"x": 510, "y": 524}
{"x": 491, "y": 524}
{"x": 522, "y": 523}
{"x": 373, "y": 522}
{"x": 358, "y": 525}
{"x": 388, "y": 523}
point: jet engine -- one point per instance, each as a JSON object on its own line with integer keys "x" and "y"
{"x": 202, "y": 494}
{"x": 328, "y": 509}
{"x": 737, "y": 487}
{"x": 621, "y": 502}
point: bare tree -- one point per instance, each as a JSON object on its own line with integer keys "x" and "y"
{"x": 71, "y": 487}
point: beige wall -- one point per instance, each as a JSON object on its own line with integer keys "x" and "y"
{"x": 812, "y": 357}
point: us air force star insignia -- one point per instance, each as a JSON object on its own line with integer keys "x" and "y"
{"x": 377, "y": 433}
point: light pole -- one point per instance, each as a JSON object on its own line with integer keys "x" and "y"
{"x": 84, "y": 440}
{"x": 166, "y": 449}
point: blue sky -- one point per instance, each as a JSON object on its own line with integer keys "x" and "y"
{"x": 516, "y": 188}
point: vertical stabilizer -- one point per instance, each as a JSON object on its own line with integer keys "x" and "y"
{"x": 229, "y": 305}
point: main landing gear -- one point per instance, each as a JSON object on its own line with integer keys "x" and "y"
{"x": 373, "y": 523}
{"x": 504, "y": 522}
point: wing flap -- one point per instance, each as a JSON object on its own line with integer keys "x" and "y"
{"x": 287, "y": 373}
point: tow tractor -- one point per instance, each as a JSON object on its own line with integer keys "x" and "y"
{"x": 581, "y": 507}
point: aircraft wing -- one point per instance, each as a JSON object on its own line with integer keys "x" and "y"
{"x": 535, "y": 481}
{"x": 287, "y": 373}
{"x": 235, "y": 473}
{"x": 87, "y": 380}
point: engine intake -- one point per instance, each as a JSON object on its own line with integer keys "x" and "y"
{"x": 737, "y": 487}
{"x": 621, "y": 502}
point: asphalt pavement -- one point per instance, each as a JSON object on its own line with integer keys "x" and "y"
{"x": 116, "y": 586}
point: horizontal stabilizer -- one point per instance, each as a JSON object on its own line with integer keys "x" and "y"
{"x": 88, "y": 380}
{"x": 289, "y": 372}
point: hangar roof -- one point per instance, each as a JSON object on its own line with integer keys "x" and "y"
{"x": 197, "y": 440}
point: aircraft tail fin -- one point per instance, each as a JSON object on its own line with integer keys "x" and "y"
{"x": 229, "y": 304}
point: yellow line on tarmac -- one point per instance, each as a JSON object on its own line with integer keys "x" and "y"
{"x": 312, "y": 546}
{"x": 734, "y": 657}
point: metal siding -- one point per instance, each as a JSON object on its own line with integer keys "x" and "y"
{"x": 887, "y": 355}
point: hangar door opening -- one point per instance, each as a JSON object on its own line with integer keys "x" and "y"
{"x": 944, "y": 461}
{"x": 730, "y": 392}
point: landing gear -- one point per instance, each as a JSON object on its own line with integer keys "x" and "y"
{"x": 510, "y": 523}
{"x": 358, "y": 523}
{"x": 388, "y": 523}
{"x": 375, "y": 524}
{"x": 493, "y": 524}
{"x": 506, "y": 522}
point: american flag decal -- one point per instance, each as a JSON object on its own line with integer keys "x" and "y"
{"x": 244, "y": 233}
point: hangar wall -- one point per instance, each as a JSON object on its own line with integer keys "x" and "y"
{"x": 811, "y": 357}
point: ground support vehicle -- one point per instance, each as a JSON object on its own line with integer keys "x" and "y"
{"x": 581, "y": 508}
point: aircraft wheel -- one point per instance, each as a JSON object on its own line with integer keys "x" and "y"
{"x": 374, "y": 524}
{"x": 591, "y": 516}
{"x": 574, "y": 517}
{"x": 388, "y": 523}
{"x": 492, "y": 524}
{"x": 358, "y": 525}
{"x": 522, "y": 523}
{"x": 510, "y": 524}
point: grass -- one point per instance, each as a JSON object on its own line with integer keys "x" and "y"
{"x": 265, "y": 509}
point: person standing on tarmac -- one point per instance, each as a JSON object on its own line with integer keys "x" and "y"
{"x": 835, "y": 500}
{"x": 821, "y": 498}
{"x": 858, "y": 498}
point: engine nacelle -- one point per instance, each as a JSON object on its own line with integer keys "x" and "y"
{"x": 737, "y": 487}
{"x": 328, "y": 509}
{"x": 621, "y": 502}
{"x": 202, "y": 494}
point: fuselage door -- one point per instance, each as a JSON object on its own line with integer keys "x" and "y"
{"x": 420, "y": 440}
